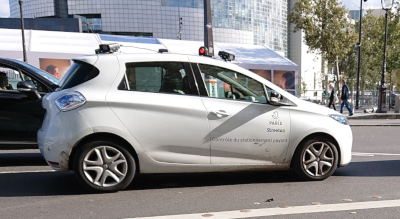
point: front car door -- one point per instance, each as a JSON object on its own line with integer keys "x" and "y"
{"x": 244, "y": 127}
{"x": 158, "y": 102}
{"x": 21, "y": 113}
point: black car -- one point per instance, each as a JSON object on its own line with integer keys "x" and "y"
{"x": 22, "y": 87}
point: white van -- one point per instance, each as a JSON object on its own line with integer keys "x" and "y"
{"x": 117, "y": 115}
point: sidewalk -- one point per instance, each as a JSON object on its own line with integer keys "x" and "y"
{"x": 372, "y": 119}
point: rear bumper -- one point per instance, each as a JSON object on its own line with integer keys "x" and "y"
{"x": 59, "y": 137}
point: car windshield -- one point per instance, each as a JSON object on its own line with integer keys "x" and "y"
{"x": 42, "y": 73}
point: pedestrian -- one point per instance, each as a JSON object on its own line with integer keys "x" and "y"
{"x": 344, "y": 97}
{"x": 332, "y": 96}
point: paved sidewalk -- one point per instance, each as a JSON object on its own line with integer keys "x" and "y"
{"x": 372, "y": 119}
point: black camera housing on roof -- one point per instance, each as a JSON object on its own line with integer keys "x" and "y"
{"x": 108, "y": 48}
{"x": 226, "y": 56}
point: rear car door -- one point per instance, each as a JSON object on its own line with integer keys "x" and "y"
{"x": 158, "y": 102}
{"x": 244, "y": 127}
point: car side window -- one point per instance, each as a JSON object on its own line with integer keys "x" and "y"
{"x": 282, "y": 99}
{"x": 158, "y": 77}
{"x": 226, "y": 84}
{"x": 9, "y": 78}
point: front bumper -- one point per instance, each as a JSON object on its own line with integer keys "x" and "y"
{"x": 59, "y": 136}
{"x": 344, "y": 138}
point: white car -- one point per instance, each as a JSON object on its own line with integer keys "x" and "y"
{"x": 117, "y": 115}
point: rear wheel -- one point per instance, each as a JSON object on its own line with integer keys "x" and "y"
{"x": 316, "y": 159}
{"x": 104, "y": 166}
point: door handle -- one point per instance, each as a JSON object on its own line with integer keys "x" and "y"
{"x": 220, "y": 113}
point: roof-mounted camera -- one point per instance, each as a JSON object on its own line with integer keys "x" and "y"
{"x": 226, "y": 56}
{"x": 108, "y": 48}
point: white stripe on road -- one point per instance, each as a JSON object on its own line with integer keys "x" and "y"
{"x": 362, "y": 155}
{"x": 27, "y": 171}
{"x": 284, "y": 211}
{"x": 372, "y": 154}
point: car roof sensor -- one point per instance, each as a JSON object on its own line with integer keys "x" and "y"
{"x": 226, "y": 56}
{"x": 108, "y": 48}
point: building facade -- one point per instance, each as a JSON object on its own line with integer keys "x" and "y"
{"x": 310, "y": 70}
{"x": 50, "y": 24}
{"x": 355, "y": 14}
{"x": 259, "y": 22}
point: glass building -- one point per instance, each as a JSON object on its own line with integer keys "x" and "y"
{"x": 234, "y": 21}
{"x": 355, "y": 14}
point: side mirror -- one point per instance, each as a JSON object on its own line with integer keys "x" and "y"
{"x": 28, "y": 87}
{"x": 275, "y": 97}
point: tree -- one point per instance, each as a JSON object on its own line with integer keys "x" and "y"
{"x": 327, "y": 29}
{"x": 302, "y": 87}
{"x": 372, "y": 50}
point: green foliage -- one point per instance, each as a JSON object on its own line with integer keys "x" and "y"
{"x": 302, "y": 87}
{"x": 327, "y": 27}
{"x": 373, "y": 30}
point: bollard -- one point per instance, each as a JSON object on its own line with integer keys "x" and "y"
{"x": 397, "y": 103}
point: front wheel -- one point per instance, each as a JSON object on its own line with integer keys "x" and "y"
{"x": 316, "y": 159}
{"x": 104, "y": 166}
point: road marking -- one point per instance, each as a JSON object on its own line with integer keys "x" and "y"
{"x": 285, "y": 211}
{"x": 362, "y": 155}
{"x": 372, "y": 154}
{"x": 28, "y": 171}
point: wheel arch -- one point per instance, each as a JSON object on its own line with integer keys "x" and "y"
{"x": 314, "y": 135}
{"x": 108, "y": 137}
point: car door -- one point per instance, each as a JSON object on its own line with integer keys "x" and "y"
{"x": 244, "y": 127}
{"x": 21, "y": 113}
{"x": 159, "y": 104}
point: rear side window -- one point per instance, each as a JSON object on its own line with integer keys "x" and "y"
{"x": 78, "y": 73}
{"x": 158, "y": 77}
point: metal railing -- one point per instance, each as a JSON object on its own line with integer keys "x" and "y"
{"x": 367, "y": 98}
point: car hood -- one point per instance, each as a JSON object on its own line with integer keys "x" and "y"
{"x": 314, "y": 108}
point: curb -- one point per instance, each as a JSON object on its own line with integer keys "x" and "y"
{"x": 383, "y": 125}
{"x": 375, "y": 116}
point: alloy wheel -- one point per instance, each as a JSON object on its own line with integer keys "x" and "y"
{"x": 318, "y": 159}
{"x": 105, "y": 166}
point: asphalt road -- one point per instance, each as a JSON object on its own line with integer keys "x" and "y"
{"x": 29, "y": 189}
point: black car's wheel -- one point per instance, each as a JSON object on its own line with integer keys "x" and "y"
{"x": 104, "y": 166}
{"x": 315, "y": 159}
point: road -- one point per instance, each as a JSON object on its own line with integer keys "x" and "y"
{"x": 29, "y": 189}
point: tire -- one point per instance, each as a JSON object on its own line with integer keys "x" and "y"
{"x": 104, "y": 166}
{"x": 315, "y": 159}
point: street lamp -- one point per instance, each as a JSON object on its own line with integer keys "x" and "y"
{"x": 359, "y": 56}
{"x": 386, "y": 5}
{"x": 391, "y": 87}
{"x": 23, "y": 32}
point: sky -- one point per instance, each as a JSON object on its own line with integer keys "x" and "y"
{"x": 350, "y": 5}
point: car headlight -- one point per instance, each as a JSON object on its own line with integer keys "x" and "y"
{"x": 70, "y": 101}
{"x": 339, "y": 118}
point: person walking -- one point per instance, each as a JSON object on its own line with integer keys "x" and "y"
{"x": 332, "y": 96}
{"x": 344, "y": 97}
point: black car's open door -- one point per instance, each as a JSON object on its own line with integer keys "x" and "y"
{"x": 21, "y": 113}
